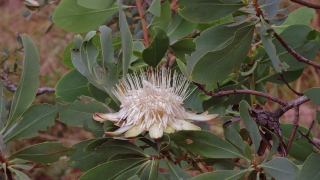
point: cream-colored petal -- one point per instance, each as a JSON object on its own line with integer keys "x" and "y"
{"x": 169, "y": 129}
{"x": 119, "y": 131}
{"x": 103, "y": 117}
{"x": 155, "y": 131}
{"x": 133, "y": 132}
{"x": 192, "y": 112}
{"x": 175, "y": 126}
{"x": 184, "y": 125}
{"x": 198, "y": 117}
{"x": 205, "y": 113}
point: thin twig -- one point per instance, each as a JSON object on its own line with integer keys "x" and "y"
{"x": 307, "y": 136}
{"x": 9, "y": 85}
{"x": 295, "y": 127}
{"x": 283, "y": 42}
{"x": 44, "y": 90}
{"x": 295, "y": 54}
{"x": 143, "y": 24}
{"x": 314, "y": 6}
{"x": 291, "y": 104}
{"x": 237, "y": 91}
{"x": 286, "y": 82}
{"x": 219, "y": 86}
{"x": 316, "y": 140}
{"x": 235, "y": 119}
{"x": 13, "y": 88}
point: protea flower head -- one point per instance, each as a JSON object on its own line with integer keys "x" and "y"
{"x": 152, "y": 102}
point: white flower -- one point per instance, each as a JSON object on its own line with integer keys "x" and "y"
{"x": 152, "y": 102}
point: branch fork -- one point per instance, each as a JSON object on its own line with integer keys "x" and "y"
{"x": 302, "y": 134}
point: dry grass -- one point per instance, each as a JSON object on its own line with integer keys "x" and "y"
{"x": 50, "y": 47}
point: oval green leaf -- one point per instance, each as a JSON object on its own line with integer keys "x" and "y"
{"x": 205, "y": 144}
{"x": 310, "y": 168}
{"x": 80, "y": 113}
{"x": 176, "y": 173}
{"x": 163, "y": 20}
{"x": 281, "y": 168}
{"x": 215, "y": 66}
{"x": 314, "y": 95}
{"x": 251, "y": 126}
{"x": 70, "y": 16}
{"x": 179, "y": 28}
{"x": 205, "y": 11}
{"x": 85, "y": 160}
{"x": 224, "y": 174}
{"x": 37, "y": 118}
{"x": 28, "y": 87}
{"x": 96, "y": 4}
{"x": 183, "y": 47}
{"x": 112, "y": 169}
{"x": 126, "y": 39}
{"x": 47, "y": 152}
{"x": 71, "y": 86}
{"x": 157, "y": 49}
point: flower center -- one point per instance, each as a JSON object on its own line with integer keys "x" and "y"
{"x": 153, "y": 98}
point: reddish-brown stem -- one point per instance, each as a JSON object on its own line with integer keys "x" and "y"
{"x": 295, "y": 54}
{"x": 157, "y": 157}
{"x": 167, "y": 154}
{"x": 163, "y": 155}
{"x": 4, "y": 161}
{"x": 235, "y": 160}
{"x": 181, "y": 158}
{"x": 237, "y": 91}
{"x": 295, "y": 127}
{"x": 314, "y": 6}
{"x": 143, "y": 24}
{"x": 255, "y": 166}
{"x": 257, "y": 8}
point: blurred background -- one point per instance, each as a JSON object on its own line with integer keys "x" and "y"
{"x": 51, "y": 46}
